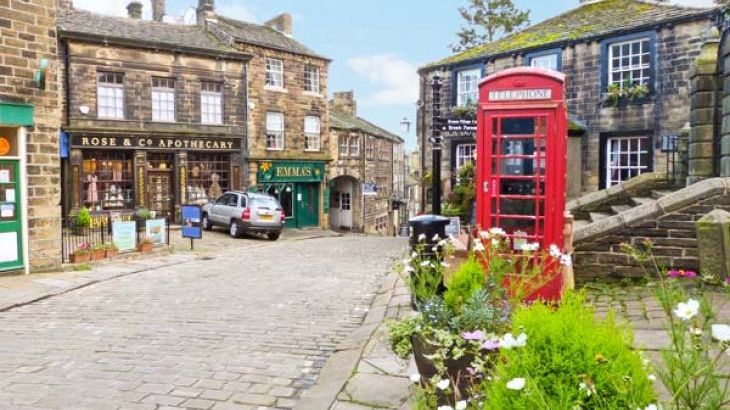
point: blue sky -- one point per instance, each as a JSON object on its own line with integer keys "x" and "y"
{"x": 376, "y": 45}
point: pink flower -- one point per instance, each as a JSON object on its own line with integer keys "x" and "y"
{"x": 475, "y": 335}
{"x": 681, "y": 273}
{"x": 490, "y": 345}
{"x": 727, "y": 281}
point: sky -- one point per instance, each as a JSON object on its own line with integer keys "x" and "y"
{"x": 376, "y": 45}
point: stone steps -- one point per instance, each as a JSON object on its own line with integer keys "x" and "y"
{"x": 597, "y": 216}
{"x": 658, "y": 193}
{"x": 642, "y": 200}
{"x": 617, "y": 209}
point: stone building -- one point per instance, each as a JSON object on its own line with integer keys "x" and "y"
{"x": 288, "y": 146}
{"x": 639, "y": 49}
{"x": 154, "y": 113}
{"x": 364, "y": 186}
{"x": 30, "y": 212}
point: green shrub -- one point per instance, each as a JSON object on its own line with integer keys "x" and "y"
{"x": 144, "y": 214}
{"x": 399, "y": 333}
{"x": 571, "y": 360}
{"x": 83, "y": 219}
{"x": 466, "y": 281}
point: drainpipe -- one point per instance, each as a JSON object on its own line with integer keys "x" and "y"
{"x": 245, "y": 173}
{"x": 67, "y": 92}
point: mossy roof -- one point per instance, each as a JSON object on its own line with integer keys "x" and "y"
{"x": 590, "y": 20}
{"x": 341, "y": 119}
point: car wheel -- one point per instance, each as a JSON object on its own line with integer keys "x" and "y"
{"x": 206, "y": 223}
{"x": 234, "y": 230}
{"x": 273, "y": 236}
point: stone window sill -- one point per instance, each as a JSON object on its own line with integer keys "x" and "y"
{"x": 312, "y": 94}
{"x": 276, "y": 89}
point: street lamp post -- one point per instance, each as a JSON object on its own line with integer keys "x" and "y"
{"x": 436, "y": 149}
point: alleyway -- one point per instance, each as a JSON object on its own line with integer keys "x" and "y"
{"x": 242, "y": 330}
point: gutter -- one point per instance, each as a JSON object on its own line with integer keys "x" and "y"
{"x": 484, "y": 57}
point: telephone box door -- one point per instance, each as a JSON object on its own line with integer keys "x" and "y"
{"x": 515, "y": 178}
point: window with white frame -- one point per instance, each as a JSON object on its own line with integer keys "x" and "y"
{"x": 311, "y": 79}
{"x": 547, "y": 61}
{"x": 211, "y": 102}
{"x": 312, "y": 137}
{"x": 163, "y": 99}
{"x": 354, "y": 145}
{"x": 345, "y": 201}
{"x": 465, "y": 153}
{"x": 343, "y": 145}
{"x": 626, "y": 157}
{"x": 274, "y": 73}
{"x": 467, "y": 86}
{"x": 110, "y": 95}
{"x": 629, "y": 62}
{"x": 274, "y": 131}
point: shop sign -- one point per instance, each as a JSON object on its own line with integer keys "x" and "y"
{"x": 290, "y": 171}
{"x": 192, "y": 216}
{"x": 4, "y": 146}
{"x": 155, "y": 230}
{"x": 157, "y": 143}
{"x": 124, "y": 235}
{"x": 511, "y": 95}
{"x": 369, "y": 188}
{"x": 458, "y": 127}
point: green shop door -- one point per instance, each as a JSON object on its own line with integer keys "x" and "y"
{"x": 307, "y": 205}
{"x": 11, "y": 242}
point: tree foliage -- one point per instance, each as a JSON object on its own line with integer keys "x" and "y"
{"x": 488, "y": 20}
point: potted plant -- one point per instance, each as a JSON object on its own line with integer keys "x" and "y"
{"x": 142, "y": 215}
{"x": 83, "y": 221}
{"x": 111, "y": 250}
{"x": 81, "y": 254}
{"x": 98, "y": 252}
{"x": 145, "y": 245}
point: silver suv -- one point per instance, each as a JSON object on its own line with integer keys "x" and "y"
{"x": 245, "y": 212}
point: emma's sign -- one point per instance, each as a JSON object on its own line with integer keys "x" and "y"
{"x": 290, "y": 171}
{"x": 531, "y": 94}
{"x": 151, "y": 142}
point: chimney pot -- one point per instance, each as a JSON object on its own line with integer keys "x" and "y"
{"x": 281, "y": 23}
{"x": 135, "y": 10}
{"x": 158, "y": 10}
{"x": 344, "y": 101}
{"x": 206, "y": 10}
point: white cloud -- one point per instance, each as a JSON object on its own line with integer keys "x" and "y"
{"x": 112, "y": 7}
{"x": 396, "y": 78}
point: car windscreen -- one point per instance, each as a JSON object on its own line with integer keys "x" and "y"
{"x": 263, "y": 202}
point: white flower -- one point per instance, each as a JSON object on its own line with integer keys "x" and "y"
{"x": 555, "y": 252}
{"x": 478, "y": 246}
{"x": 435, "y": 249}
{"x": 443, "y": 242}
{"x": 497, "y": 231}
{"x": 584, "y": 388}
{"x": 688, "y": 310}
{"x": 646, "y": 362}
{"x": 516, "y": 384}
{"x": 426, "y": 263}
{"x": 436, "y": 237}
{"x": 445, "y": 265}
{"x": 409, "y": 268}
{"x": 415, "y": 377}
{"x": 414, "y": 254}
{"x": 721, "y": 332}
{"x": 484, "y": 234}
{"x": 509, "y": 341}
{"x": 461, "y": 405}
{"x": 651, "y": 407}
{"x": 443, "y": 384}
{"x": 566, "y": 260}
{"x": 421, "y": 237}
{"x": 652, "y": 377}
{"x": 495, "y": 243}
{"x": 445, "y": 408}
{"x": 695, "y": 331}
{"x": 406, "y": 261}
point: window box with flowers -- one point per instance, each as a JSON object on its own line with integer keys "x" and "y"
{"x": 618, "y": 95}
{"x": 81, "y": 254}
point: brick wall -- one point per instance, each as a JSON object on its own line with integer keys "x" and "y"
{"x": 28, "y": 34}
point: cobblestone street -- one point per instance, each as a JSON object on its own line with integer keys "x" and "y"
{"x": 237, "y": 331}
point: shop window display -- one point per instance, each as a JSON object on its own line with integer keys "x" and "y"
{"x": 107, "y": 181}
{"x": 208, "y": 177}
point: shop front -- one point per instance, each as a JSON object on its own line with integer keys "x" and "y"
{"x": 298, "y": 187}
{"x": 14, "y": 118}
{"x": 122, "y": 174}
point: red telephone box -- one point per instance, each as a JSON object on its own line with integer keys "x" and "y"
{"x": 521, "y": 157}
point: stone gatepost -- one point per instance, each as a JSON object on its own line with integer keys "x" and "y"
{"x": 703, "y": 77}
{"x": 713, "y": 241}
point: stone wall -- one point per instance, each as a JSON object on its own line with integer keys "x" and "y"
{"x": 670, "y": 223}
{"x": 27, "y": 35}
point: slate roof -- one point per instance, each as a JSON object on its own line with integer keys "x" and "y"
{"x": 343, "y": 120}
{"x": 263, "y": 36}
{"x": 588, "y": 21}
{"x": 125, "y": 29}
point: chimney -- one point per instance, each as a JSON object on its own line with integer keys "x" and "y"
{"x": 65, "y": 4}
{"x": 134, "y": 8}
{"x": 281, "y": 23}
{"x": 158, "y": 10}
{"x": 344, "y": 101}
{"x": 206, "y": 10}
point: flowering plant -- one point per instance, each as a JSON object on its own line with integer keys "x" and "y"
{"x": 82, "y": 249}
{"x": 423, "y": 270}
{"x": 691, "y": 368}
